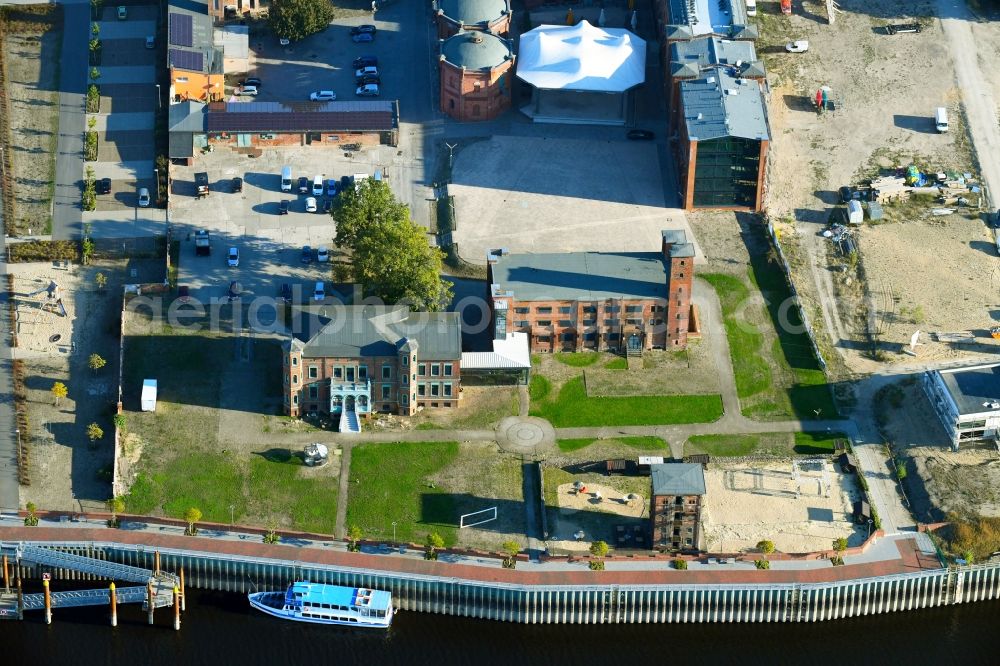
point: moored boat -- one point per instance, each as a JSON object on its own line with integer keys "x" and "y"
{"x": 327, "y": 604}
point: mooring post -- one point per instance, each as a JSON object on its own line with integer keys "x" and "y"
{"x": 114, "y": 605}
{"x": 183, "y": 592}
{"x": 20, "y": 600}
{"x": 149, "y": 601}
{"x": 156, "y": 562}
{"x": 6, "y": 575}
{"x": 48, "y": 602}
{"x": 177, "y": 608}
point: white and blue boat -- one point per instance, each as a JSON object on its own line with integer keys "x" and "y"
{"x": 327, "y": 604}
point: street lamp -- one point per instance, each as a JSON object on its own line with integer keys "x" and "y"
{"x": 232, "y": 515}
{"x": 870, "y": 521}
{"x": 156, "y": 172}
{"x": 159, "y": 100}
{"x": 394, "y": 531}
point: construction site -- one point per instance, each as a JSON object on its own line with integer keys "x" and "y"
{"x": 801, "y": 505}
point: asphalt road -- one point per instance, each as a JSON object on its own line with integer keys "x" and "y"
{"x": 67, "y": 214}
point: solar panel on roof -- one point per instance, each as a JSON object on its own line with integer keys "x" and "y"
{"x": 181, "y": 30}
{"x": 189, "y": 60}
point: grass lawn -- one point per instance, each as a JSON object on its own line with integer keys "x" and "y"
{"x": 777, "y": 444}
{"x": 572, "y": 407}
{"x": 577, "y": 359}
{"x": 777, "y": 375}
{"x": 616, "y": 364}
{"x": 641, "y": 443}
{"x": 391, "y": 482}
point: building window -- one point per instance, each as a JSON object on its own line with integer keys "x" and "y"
{"x": 182, "y": 79}
{"x": 421, "y": 389}
{"x": 363, "y": 372}
{"x": 447, "y": 369}
{"x": 590, "y": 309}
{"x": 447, "y": 389}
{"x": 611, "y": 308}
{"x": 565, "y": 322}
{"x": 544, "y": 322}
{"x": 435, "y": 370}
{"x": 406, "y": 361}
{"x": 386, "y": 372}
{"x": 522, "y": 324}
{"x": 338, "y": 372}
{"x": 611, "y": 336}
{"x": 386, "y": 390}
{"x": 295, "y": 360}
{"x": 567, "y": 337}
{"x": 295, "y": 379}
{"x": 522, "y": 310}
{"x": 313, "y": 392}
{"x": 565, "y": 310}
{"x": 611, "y": 322}
{"x": 680, "y": 275}
{"x": 295, "y": 399}
{"x": 313, "y": 372}
{"x": 406, "y": 399}
{"x": 477, "y": 86}
{"x": 435, "y": 389}
{"x": 422, "y": 369}
{"x": 475, "y": 109}
{"x": 544, "y": 338}
{"x": 633, "y": 308}
{"x": 589, "y": 337}
{"x": 634, "y": 322}
{"x": 405, "y": 379}
{"x": 543, "y": 310}
{"x": 451, "y": 104}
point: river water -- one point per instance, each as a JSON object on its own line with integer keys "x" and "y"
{"x": 221, "y": 629}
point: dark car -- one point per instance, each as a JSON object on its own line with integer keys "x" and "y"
{"x": 849, "y": 193}
{"x": 996, "y": 219}
{"x": 366, "y": 29}
{"x": 237, "y": 184}
{"x": 328, "y": 206}
{"x": 365, "y": 61}
{"x": 640, "y": 135}
{"x": 104, "y": 186}
{"x": 286, "y": 293}
{"x": 283, "y": 207}
{"x": 363, "y": 38}
{"x": 893, "y": 29}
{"x": 307, "y": 254}
{"x": 368, "y": 78}
{"x": 252, "y": 81}
{"x": 345, "y": 182}
{"x": 305, "y": 185}
{"x": 234, "y": 290}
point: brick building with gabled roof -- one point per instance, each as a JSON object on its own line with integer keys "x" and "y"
{"x": 675, "y": 505}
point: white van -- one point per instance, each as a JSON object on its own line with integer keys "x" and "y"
{"x": 941, "y": 119}
{"x": 286, "y": 179}
{"x": 751, "y": 7}
{"x": 317, "y": 186}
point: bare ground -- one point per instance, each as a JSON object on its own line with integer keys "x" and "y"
{"x": 33, "y": 66}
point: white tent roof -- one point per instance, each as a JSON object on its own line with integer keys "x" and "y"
{"x": 581, "y": 57}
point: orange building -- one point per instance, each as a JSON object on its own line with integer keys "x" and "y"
{"x": 196, "y": 65}
{"x": 474, "y": 74}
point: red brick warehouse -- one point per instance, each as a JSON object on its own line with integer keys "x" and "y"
{"x": 475, "y": 75}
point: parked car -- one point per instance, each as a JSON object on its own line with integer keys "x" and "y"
{"x": 143, "y": 197}
{"x": 286, "y": 293}
{"x": 150, "y": 42}
{"x": 328, "y": 205}
{"x": 892, "y": 29}
{"x": 317, "y": 186}
{"x": 104, "y": 186}
{"x": 370, "y": 70}
{"x": 233, "y": 258}
{"x": 798, "y": 46}
{"x": 640, "y": 135}
{"x": 367, "y": 90}
{"x": 323, "y": 96}
{"x": 322, "y": 254}
{"x": 331, "y": 187}
{"x": 304, "y": 185}
{"x": 363, "y": 38}
{"x": 366, "y": 29}
{"x": 310, "y": 205}
{"x": 848, "y": 194}
{"x": 365, "y": 61}
{"x": 234, "y": 290}
{"x": 284, "y": 41}
{"x": 345, "y": 183}
{"x": 237, "y": 184}
{"x": 122, "y": 12}
{"x": 368, "y": 79}
{"x": 249, "y": 90}
{"x": 283, "y": 207}
{"x": 251, "y": 81}
{"x": 307, "y": 254}
{"x": 319, "y": 292}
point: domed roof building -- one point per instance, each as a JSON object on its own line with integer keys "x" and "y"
{"x": 454, "y": 16}
{"x": 475, "y": 75}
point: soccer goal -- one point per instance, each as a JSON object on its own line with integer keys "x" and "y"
{"x": 477, "y": 517}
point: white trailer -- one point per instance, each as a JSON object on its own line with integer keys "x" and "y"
{"x": 148, "y": 400}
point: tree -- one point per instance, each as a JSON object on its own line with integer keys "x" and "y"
{"x": 434, "y": 541}
{"x": 297, "y": 19}
{"x": 598, "y": 549}
{"x": 354, "y": 535}
{"x": 31, "y": 520}
{"x": 766, "y": 546}
{"x": 94, "y": 433}
{"x": 101, "y": 280}
{"x": 680, "y": 565}
{"x": 115, "y": 505}
{"x": 390, "y": 253}
{"x": 271, "y": 536}
{"x": 59, "y": 391}
{"x": 95, "y": 362}
{"x": 762, "y": 563}
{"x": 840, "y": 544}
{"x": 192, "y": 516}
{"x": 512, "y": 548}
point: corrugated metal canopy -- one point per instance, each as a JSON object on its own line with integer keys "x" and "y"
{"x": 302, "y": 117}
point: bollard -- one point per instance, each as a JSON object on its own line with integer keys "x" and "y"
{"x": 48, "y": 602}
{"x": 156, "y": 562}
{"x": 183, "y": 592}
{"x": 6, "y": 575}
{"x": 114, "y": 605}
{"x": 177, "y": 608}
{"x": 20, "y": 600}
{"x": 149, "y": 600}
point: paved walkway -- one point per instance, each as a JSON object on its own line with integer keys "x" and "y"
{"x": 73, "y": 61}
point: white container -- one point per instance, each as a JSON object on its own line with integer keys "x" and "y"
{"x": 751, "y": 7}
{"x": 148, "y": 400}
{"x": 941, "y": 119}
{"x": 855, "y": 214}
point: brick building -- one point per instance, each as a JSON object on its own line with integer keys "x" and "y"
{"x": 364, "y": 359}
{"x": 318, "y": 124}
{"x": 595, "y": 300}
{"x": 195, "y": 64}
{"x": 675, "y": 505}
{"x": 475, "y": 75}
{"x": 453, "y": 16}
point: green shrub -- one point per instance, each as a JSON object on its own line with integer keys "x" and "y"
{"x": 762, "y": 564}
{"x": 90, "y": 146}
{"x": 44, "y": 251}
{"x": 680, "y": 565}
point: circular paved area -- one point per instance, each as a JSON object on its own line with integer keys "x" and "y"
{"x": 526, "y": 434}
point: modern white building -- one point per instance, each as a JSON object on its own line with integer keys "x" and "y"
{"x": 967, "y": 400}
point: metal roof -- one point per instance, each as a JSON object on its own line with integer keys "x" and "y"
{"x": 719, "y": 105}
{"x": 582, "y": 276}
{"x": 687, "y": 58}
{"x": 368, "y": 116}
{"x": 974, "y": 389}
{"x": 470, "y": 12}
{"x": 476, "y": 50}
{"x": 707, "y": 16}
{"x": 354, "y": 331}
{"x": 511, "y": 353}
{"x": 678, "y": 479}
{"x": 317, "y": 593}
{"x": 234, "y": 40}
{"x": 191, "y": 38}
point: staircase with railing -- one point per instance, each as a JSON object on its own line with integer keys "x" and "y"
{"x": 349, "y": 422}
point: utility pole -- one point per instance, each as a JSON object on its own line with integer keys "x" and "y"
{"x": 451, "y": 153}
{"x": 831, "y": 10}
